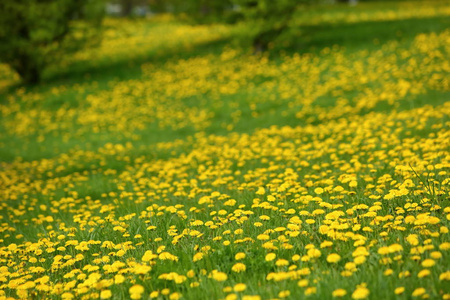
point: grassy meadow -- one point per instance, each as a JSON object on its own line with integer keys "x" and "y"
{"x": 169, "y": 162}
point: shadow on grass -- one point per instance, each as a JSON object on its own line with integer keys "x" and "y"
{"x": 363, "y": 34}
{"x": 129, "y": 69}
{"x": 122, "y": 69}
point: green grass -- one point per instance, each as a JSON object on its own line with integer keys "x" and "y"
{"x": 167, "y": 126}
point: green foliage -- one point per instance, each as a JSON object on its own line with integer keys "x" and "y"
{"x": 267, "y": 19}
{"x": 264, "y": 20}
{"x": 37, "y": 33}
{"x": 199, "y": 11}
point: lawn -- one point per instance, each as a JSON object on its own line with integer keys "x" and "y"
{"x": 170, "y": 162}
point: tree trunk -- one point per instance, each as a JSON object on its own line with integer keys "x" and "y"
{"x": 33, "y": 75}
{"x": 127, "y": 8}
{"x": 25, "y": 64}
{"x": 262, "y": 40}
{"x": 28, "y": 70}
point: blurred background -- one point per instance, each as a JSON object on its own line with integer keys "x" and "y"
{"x": 37, "y": 37}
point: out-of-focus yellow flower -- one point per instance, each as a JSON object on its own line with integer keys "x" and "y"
{"x": 270, "y": 256}
{"x": 314, "y": 253}
{"x": 284, "y": 294}
{"x": 105, "y": 294}
{"x": 339, "y": 293}
{"x": 423, "y": 273}
{"x": 428, "y": 263}
{"x": 418, "y": 292}
{"x": 197, "y": 256}
{"x": 361, "y": 292}
{"x": 333, "y": 258}
{"x": 239, "y": 256}
{"x": 239, "y": 287}
{"x": 239, "y": 267}
{"x": 219, "y": 276}
{"x": 136, "y": 291}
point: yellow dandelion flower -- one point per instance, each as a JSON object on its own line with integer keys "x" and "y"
{"x": 270, "y": 256}
{"x": 281, "y": 262}
{"x": 118, "y": 279}
{"x": 303, "y": 283}
{"x": 413, "y": 239}
{"x": 333, "y": 258}
{"x": 311, "y": 290}
{"x": 65, "y": 296}
{"x": 353, "y": 183}
{"x": 325, "y": 244}
{"x": 428, "y": 263}
{"x": 383, "y": 250}
{"x": 154, "y": 294}
{"x": 175, "y": 296}
{"x": 445, "y": 276}
{"x": 423, "y": 273}
{"x": 418, "y": 292}
{"x": 360, "y": 260}
{"x": 339, "y": 293}
{"x": 436, "y": 255}
{"x": 219, "y": 276}
{"x": 165, "y": 292}
{"x": 239, "y": 267}
{"x": 190, "y": 273}
{"x": 197, "y": 256}
{"x": 240, "y": 287}
{"x": 444, "y": 246}
{"x": 263, "y": 237}
{"x": 318, "y": 190}
{"x": 284, "y": 294}
{"x": 136, "y": 291}
{"x": 261, "y": 191}
{"x": 167, "y": 256}
{"x": 251, "y": 297}
{"x": 239, "y": 256}
{"x": 314, "y": 253}
{"x": 231, "y": 297}
{"x": 361, "y": 292}
{"x": 105, "y": 294}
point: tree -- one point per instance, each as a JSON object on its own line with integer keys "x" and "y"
{"x": 198, "y": 11}
{"x": 267, "y": 19}
{"x": 128, "y": 6}
{"x": 37, "y": 33}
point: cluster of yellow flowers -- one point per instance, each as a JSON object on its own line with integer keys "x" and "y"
{"x": 351, "y": 201}
{"x": 374, "y": 12}
{"x": 195, "y": 92}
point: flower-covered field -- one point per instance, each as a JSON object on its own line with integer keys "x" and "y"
{"x": 218, "y": 174}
